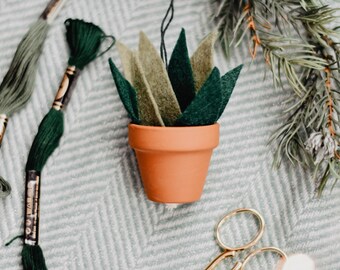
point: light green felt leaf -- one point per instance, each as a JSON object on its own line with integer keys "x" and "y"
{"x": 126, "y": 58}
{"x": 158, "y": 80}
{"x": 148, "y": 108}
{"x": 228, "y": 82}
{"x": 180, "y": 73}
{"x": 202, "y": 61}
{"x": 205, "y": 108}
{"x": 126, "y": 92}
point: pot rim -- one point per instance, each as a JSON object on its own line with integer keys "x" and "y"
{"x": 173, "y": 139}
{"x": 171, "y": 127}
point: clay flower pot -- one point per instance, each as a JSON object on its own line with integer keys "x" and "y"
{"x": 174, "y": 109}
{"x": 173, "y": 161}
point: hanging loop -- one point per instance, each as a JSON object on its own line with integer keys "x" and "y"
{"x": 170, "y": 12}
{"x": 111, "y": 45}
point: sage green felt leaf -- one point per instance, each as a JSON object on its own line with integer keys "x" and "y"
{"x": 228, "y": 82}
{"x": 157, "y": 77}
{"x": 148, "y": 110}
{"x": 180, "y": 73}
{"x": 205, "y": 108}
{"x": 202, "y": 61}
{"x": 126, "y": 58}
{"x": 126, "y": 92}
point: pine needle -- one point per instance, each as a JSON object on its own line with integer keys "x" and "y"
{"x": 298, "y": 46}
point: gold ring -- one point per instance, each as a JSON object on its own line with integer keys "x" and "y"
{"x": 256, "y": 238}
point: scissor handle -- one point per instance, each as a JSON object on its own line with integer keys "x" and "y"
{"x": 256, "y": 252}
{"x": 253, "y": 242}
{"x": 241, "y": 265}
{"x": 220, "y": 258}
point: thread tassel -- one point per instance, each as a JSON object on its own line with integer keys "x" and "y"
{"x": 84, "y": 40}
{"x": 18, "y": 83}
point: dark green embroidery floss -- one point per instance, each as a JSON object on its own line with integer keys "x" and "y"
{"x": 84, "y": 40}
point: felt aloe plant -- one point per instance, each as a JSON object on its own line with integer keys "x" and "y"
{"x": 189, "y": 92}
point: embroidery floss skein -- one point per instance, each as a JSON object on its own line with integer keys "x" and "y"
{"x": 17, "y": 85}
{"x": 84, "y": 40}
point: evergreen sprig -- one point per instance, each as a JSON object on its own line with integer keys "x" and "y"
{"x": 297, "y": 44}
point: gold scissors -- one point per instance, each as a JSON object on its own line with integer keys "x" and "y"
{"x": 231, "y": 251}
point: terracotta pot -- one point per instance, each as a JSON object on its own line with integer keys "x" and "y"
{"x": 173, "y": 161}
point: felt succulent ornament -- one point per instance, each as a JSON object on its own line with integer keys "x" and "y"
{"x": 189, "y": 92}
{"x": 174, "y": 109}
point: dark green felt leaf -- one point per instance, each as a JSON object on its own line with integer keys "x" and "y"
{"x": 180, "y": 73}
{"x": 205, "y": 108}
{"x": 126, "y": 92}
{"x": 228, "y": 82}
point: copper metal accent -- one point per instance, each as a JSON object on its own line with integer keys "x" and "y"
{"x": 65, "y": 88}
{"x": 57, "y": 105}
{"x": 3, "y": 125}
{"x": 51, "y": 9}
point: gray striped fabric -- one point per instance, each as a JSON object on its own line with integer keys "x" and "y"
{"x": 94, "y": 214}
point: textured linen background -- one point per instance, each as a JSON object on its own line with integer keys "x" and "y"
{"x": 94, "y": 214}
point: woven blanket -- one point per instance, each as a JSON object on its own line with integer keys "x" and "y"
{"x": 94, "y": 214}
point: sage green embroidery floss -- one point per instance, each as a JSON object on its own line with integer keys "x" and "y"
{"x": 18, "y": 83}
{"x": 84, "y": 40}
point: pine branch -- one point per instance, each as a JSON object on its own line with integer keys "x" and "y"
{"x": 296, "y": 43}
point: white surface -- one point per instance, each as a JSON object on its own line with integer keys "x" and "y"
{"x": 299, "y": 262}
